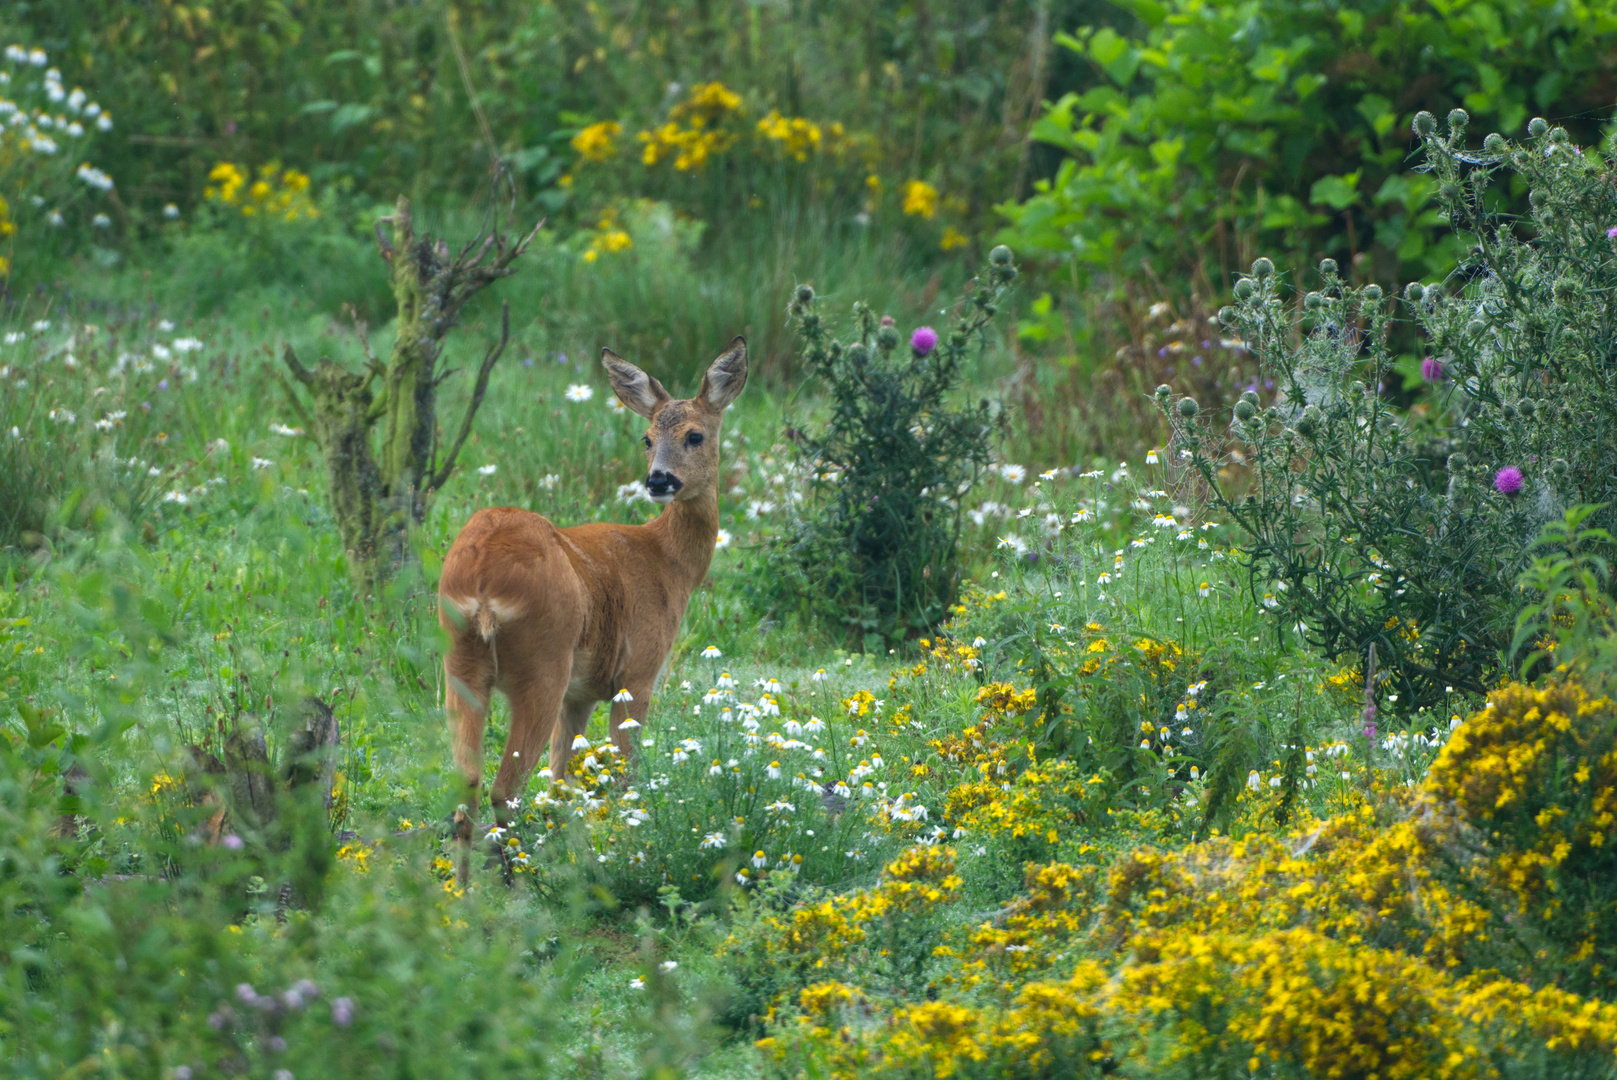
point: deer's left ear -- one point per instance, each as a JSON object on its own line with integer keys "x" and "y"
{"x": 639, "y": 391}
{"x": 726, "y": 376}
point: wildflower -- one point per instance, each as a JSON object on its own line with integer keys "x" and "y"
{"x": 1014, "y": 473}
{"x": 623, "y": 695}
{"x": 774, "y": 770}
{"x": 711, "y": 653}
{"x": 712, "y": 839}
{"x": 487, "y": 470}
{"x": 580, "y": 392}
{"x": 637, "y": 983}
{"x": 722, "y": 541}
{"x": 1431, "y": 369}
{"x": 1049, "y": 474}
{"x": 1015, "y": 543}
{"x": 580, "y": 743}
{"x": 1204, "y": 590}
{"x": 814, "y": 726}
{"x": 920, "y": 199}
{"x": 596, "y": 142}
{"x": 1164, "y": 521}
{"x": 715, "y": 769}
{"x": 282, "y": 429}
{"x": 1508, "y": 481}
{"x": 262, "y": 463}
{"x": 818, "y": 676}
{"x": 171, "y": 212}
{"x": 726, "y": 682}
{"x": 629, "y": 724}
{"x": 1253, "y": 780}
{"x": 1150, "y": 457}
{"x": 668, "y": 965}
{"x": 760, "y": 860}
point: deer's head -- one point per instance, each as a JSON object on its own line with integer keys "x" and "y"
{"x": 682, "y": 442}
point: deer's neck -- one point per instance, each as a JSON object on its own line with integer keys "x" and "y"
{"x": 687, "y": 530}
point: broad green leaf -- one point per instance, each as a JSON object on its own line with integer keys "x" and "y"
{"x": 1338, "y": 192}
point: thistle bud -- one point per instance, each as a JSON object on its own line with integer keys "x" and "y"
{"x": 1262, "y": 268}
{"x": 1001, "y": 255}
{"x": 1327, "y": 267}
{"x": 1457, "y": 461}
{"x": 1528, "y": 407}
{"x": 887, "y": 337}
{"x": 858, "y": 354}
{"x": 1313, "y": 301}
{"x": 1414, "y": 292}
{"x": 1509, "y": 410}
{"x": 1372, "y": 293}
{"x": 1245, "y": 410}
{"x": 1226, "y": 315}
{"x": 1250, "y": 396}
{"x": 1494, "y": 143}
{"x": 805, "y": 294}
{"x": 1537, "y": 126}
{"x": 1164, "y": 391}
{"x": 1244, "y": 289}
{"x": 1458, "y": 119}
{"x": 1558, "y": 135}
{"x": 1188, "y": 407}
{"x": 1559, "y": 467}
{"x": 1538, "y": 197}
{"x": 1475, "y": 327}
{"x": 1424, "y": 124}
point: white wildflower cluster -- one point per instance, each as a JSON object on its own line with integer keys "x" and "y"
{"x": 41, "y": 122}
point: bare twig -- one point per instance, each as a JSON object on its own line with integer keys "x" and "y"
{"x": 381, "y": 238}
{"x": 361, "y": 331}
{"x": 303, "y": 374}
{"x": 466, "y": 80}
{"x": 478, "y": 390}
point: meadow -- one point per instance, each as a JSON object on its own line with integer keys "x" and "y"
{"x": 1136, "y": 644}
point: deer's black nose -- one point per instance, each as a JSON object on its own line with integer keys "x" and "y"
{"x": 663, "y": 483}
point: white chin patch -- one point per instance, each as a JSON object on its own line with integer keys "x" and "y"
{"x": 661, "y": 499}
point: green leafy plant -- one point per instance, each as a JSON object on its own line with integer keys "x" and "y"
{"x": 1370, "y": 526}
{"x": 876, "y": 543}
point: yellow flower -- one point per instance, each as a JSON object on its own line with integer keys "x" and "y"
{"x": 953, "y": 238}
{"x": 920, "y": 199}
{"x": 597, "y": 142}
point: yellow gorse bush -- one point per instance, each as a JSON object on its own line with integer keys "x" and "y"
{"x": 276, "y": 193}
{"x": 1421, "y": 935}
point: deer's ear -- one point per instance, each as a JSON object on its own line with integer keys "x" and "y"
{"x": 639, "y": 391}
{"x": 726, "y": 376}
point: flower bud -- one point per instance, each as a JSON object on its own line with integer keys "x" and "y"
{"x": 1313, "y": 301}
{"x": 1262, "y": 268}
{"x": 1509, "y": 410}
{"x": 1494, "y": 143}
{"x": 1537, "y": 126}
{"x": 1538, "y": 197}
{"x": 1245, "y": 410}
{"x": 1414, "y": 292}
{"x": 1558, "y": 135}
{"x": 1244, "y": 289}
{"x": 1528, "y": 407}
{"x": 1188, "y": 407}
{"x": 1458, "y": 119}
{"x": 1372, "y": 293}
{"x": 1424, "y": 124}
{"x": 1457, "y": 461}
{"x": 887, "y": 337}
{"x": 1475, "y": 327}
{"x": 1327, "y": 267}
{"x": 1001, "y": 255}
{"x": 805, "y": 294}
{"x": 1164, "y": 391}
{"x": 1226, "y": 315}
{"x": 1250, "y": 396}
{"x": 1559, "y": 467}
{"x": 857, "y": 353}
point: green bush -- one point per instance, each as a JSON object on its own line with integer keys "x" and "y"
{"x": 875, "y": 546}
{"x": 1224, "y": 129}
{"x": 1409, "y": 531}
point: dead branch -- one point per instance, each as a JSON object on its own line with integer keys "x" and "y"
{"x": 303, "y": 374}
{"x": 381, "y": 240}
{"x": 478, "y": 390}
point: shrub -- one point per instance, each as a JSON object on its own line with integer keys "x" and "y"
{"x": 1281, "y": 124}
{"x": 876, "y": 544}
{"x": 1370, "y": 526}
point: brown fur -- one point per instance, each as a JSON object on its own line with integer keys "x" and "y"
{"x": 559, "y": 619}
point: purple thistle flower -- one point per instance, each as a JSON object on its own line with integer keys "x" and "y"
{"x": 1612, "y": 232}
{"x": 1508, "y": 481}
{"x": 1431, "y": 369}
{"x": 924, "y": 340}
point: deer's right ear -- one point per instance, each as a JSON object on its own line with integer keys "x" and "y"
{"x": 639, "y": 391}
{"x": 726, "y": 376}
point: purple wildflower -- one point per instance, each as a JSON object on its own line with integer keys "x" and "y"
{"x": 924, "y": 340}
{"x": 1431, "y": 369}
{"x": 1195, "y": 361}
{"x": 234, "y": 843}
{"x": 342, "y": 1011}
{"x": 1508, "y": 481}
{"x": 162, "y": 384}
{"x": 1612, "y": 232}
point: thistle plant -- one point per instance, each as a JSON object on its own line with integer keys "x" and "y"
{"x": 1367, "y": 525}
{"x": 876, "y": 545}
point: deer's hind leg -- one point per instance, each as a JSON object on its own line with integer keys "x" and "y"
{"x": 468, "y": 678}
{"x": 536, "y": 705}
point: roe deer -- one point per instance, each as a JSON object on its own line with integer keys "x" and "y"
{"x": 559, "y": 619}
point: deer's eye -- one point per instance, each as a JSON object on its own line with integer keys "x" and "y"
{"x": 647, "y": 440}
{"x": 694, "y": 439}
